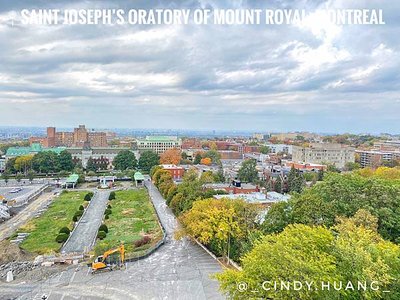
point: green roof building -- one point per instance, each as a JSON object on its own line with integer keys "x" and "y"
{"x": 158, "y": 143}
{"x": 72, "y": 180}
{"x": 139, "y": 178}
{"x": 31, "y": 150}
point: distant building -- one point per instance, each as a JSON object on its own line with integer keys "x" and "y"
{"x": 375, "y": 158}
{"x": 260, "y": 136}
{"x": 242, "y": 188}
{"x": 159, "y": 144}
{"x": 322, "y": 153}
{"x": 304, "y": 167}
{"x": 102, "y": 156}
{"x": 280, "y": 148}
{"x": 175, "y": 171}
{"x": 31, "y": 150}
{"x": 257, "y": 197}
{"x": 78, "y": 138}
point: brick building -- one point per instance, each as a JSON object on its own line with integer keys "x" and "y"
{"x": 78, "y": 138}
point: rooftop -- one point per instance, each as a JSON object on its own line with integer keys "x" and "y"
{"x": 34, "y": 148}
{"x": 161, "y": 138}
{"x": 138, "y": 176}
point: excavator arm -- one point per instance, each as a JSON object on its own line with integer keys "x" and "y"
{"x": 100, "y": 262}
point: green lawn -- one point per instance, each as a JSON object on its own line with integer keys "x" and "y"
{"x": 132, "y": 216}
{"x": 43, "y": 230}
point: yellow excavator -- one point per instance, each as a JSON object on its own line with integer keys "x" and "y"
{"x": 105, "y": 261}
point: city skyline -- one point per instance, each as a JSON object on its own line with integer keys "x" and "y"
{"x": 316, "y": 77}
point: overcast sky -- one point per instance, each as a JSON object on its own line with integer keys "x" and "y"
{"x": 317, "y": 77}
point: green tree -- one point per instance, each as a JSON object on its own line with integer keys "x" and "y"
{"x": 46, "y": 162}
{"x": 213, "y": 155}
{"x": 314, "y": 254}
{"x": 125, "y": 159}
{"x": 147, "y": 160}
{"x": 90, "y": 165}
{"x": 5, "y": 176}
{"x": 278, "y": 185}
{"x": 31, "y": 176}
{"x": 65, "y": 160}
{"x": 248, "y": 171}
{"x": 10, "y": 165}
{"x": 197, "y": 159}
{"x": 320, "y": 174}
{"x": 264, "y": 149}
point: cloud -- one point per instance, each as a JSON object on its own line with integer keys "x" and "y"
{"x": 315, "y": 76}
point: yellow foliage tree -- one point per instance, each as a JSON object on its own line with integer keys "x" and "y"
{"x": 213, "y": 219}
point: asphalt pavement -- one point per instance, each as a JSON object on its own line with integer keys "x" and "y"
{"x": 84, "y": 234}
{"x": 178, "y": 270}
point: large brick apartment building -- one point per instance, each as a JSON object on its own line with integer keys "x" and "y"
{"x": 78, "y": 138}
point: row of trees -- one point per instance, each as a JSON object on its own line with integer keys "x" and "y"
{"x": 42, "y": 162}
{"x": 181, "y": 197}
{"x": 126, "y": 160}
{"x": 341, "y": 257}
{"x": 227, "y": 227}
{"x": 341, "y": 195}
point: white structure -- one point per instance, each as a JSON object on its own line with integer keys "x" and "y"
{"x": 322, "y": 153}
{"x": 159, "y": 144}
{"x": 97, "y": 153}
{"x": 276, "y": 148}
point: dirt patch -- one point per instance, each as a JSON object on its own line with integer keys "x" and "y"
{"x": 10, "y": 252}
{"x": 128, "y": 212}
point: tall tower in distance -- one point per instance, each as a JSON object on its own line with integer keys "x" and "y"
{"x": 51, "y": 137}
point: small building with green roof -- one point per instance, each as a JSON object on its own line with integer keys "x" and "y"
{"x": 139, "y": 179}
{"x": 72, "y": 181}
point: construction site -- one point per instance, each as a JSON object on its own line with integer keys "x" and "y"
{"x": 109, "y": 253}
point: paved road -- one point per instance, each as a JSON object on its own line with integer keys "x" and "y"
{"x": 8, "y": 227}
{"x": 84, "y": 234}
{"x": 177, "y": 270}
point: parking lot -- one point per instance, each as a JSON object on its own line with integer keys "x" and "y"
{"x": 22, "y": 194}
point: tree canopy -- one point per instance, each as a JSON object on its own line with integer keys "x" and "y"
{"x": 316, "y": 254}
{"x": 147, "y": 160}
{"x": 124, "y": 160}
{"x": 248, "y": 171}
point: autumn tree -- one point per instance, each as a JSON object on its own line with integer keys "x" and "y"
{"x": 316, "y": 254}
{"x": 206, "y": 161}
{"x": 23, "y": 163}
{"x": 171, "y": 156}
{"x": 218, "y": 222}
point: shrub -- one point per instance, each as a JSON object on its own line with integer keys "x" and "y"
{"x": 81, "y": 207}
{"x": 75, "y": 218}
{"x": 106, "y": 217}
{"x": 88, "y": 196}
{"x": 108, "y": 212}
{"x": 61, "y": 238}
{"x": 143, "y": 241}
{"x": 101, "y": 235}
{"x": 109, "y": 206}
{"x": 112, "y": 196}
{"x": 79, "y": 213}
{"x": 65, "y": 230}
{"x": 103, "y": 227}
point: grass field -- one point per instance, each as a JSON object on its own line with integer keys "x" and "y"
{"x": 44, "y": 229}
{"x": 132, "y": 216}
